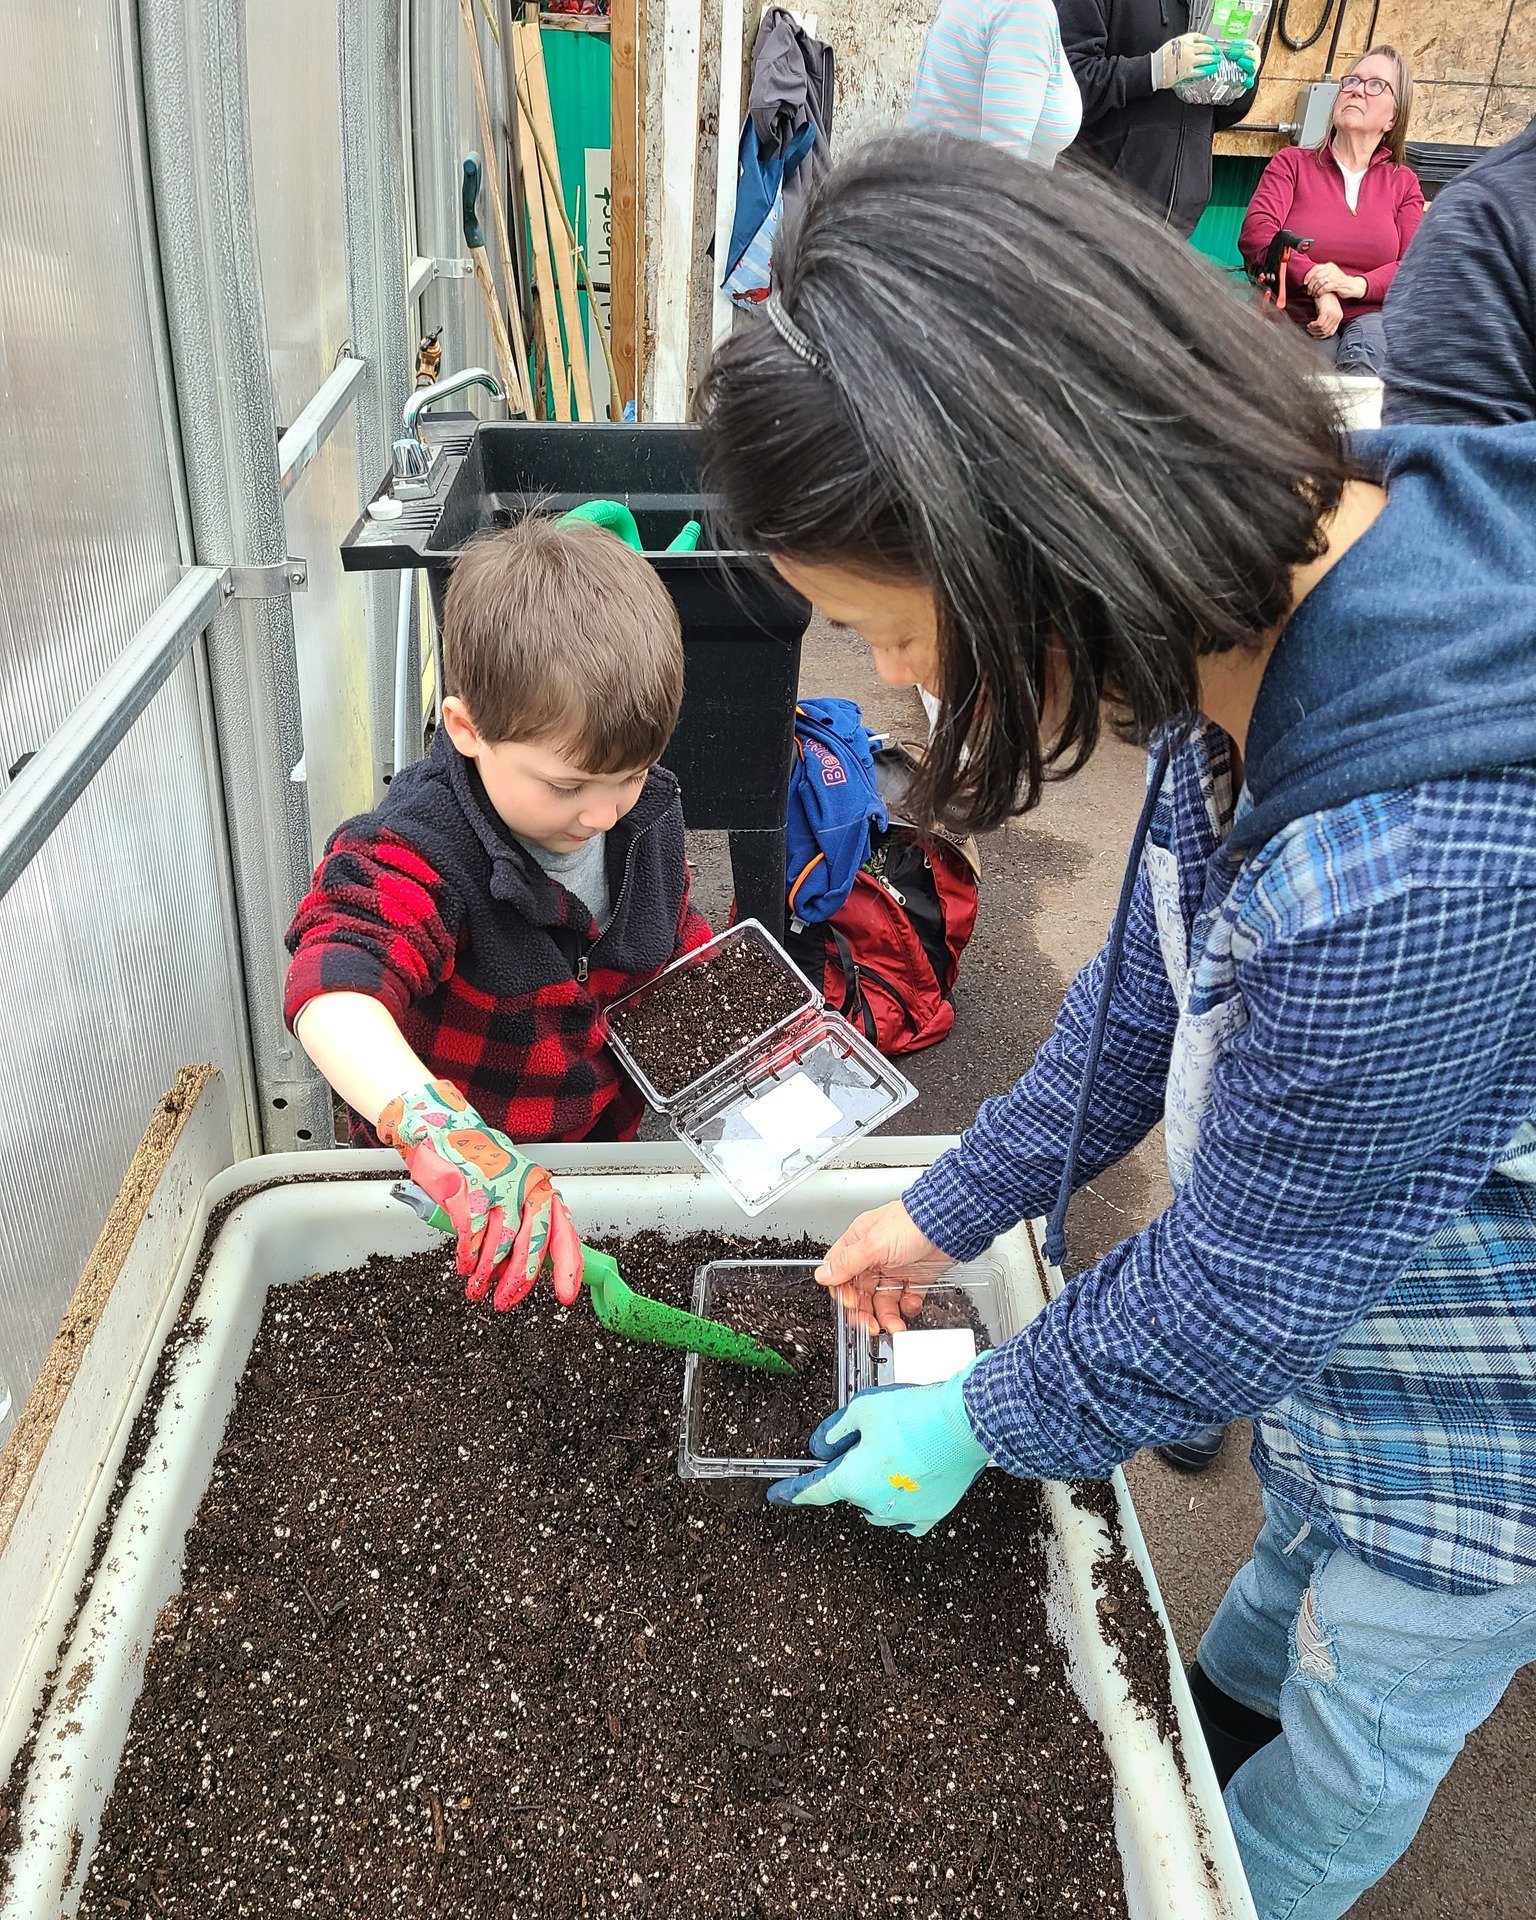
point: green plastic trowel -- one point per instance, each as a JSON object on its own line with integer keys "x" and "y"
{"x": 634, "y": 1316}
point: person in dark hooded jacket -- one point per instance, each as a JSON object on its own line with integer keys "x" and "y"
{"x": 1128, "y": 55}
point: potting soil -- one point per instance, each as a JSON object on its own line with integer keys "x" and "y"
{"x": 750, "y": 1416}
{"x": 454, "y": 1638}
{"x": 1127, "y": 1618}
{"x": 693, "y": 1020}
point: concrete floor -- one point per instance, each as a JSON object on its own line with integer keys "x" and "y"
{"x": 1048, "y": 894}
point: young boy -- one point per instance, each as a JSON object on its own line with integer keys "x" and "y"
{"x": 453, "y": 959}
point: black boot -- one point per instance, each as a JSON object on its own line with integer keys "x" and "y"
{"x": 1196, "y": 1453}
{"x": 1233, "y": 1732}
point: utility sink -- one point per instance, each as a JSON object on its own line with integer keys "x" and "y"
{"x": 510, "y": 468}
{"x": 741, "y": 627}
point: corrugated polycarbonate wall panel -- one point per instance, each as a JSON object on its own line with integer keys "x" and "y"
{"x": 89, "y": 547}
{"x": 296, "y": 155}
{"x": 114, "y": 974}
{"x": 445, "y": 127}
{"x": 114, "y": 970}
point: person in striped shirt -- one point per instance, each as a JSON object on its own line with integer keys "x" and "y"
{"x": 995, "y": 70}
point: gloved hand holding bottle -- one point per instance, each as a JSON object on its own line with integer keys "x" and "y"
{"x": 1245, "y": 55}
{"x": 509, "y": 1219}
{"x": 904, "y": 1456}
{"x": 1189, "y": 56}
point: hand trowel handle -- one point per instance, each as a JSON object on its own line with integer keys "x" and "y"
{"x": 421, "y": 1204}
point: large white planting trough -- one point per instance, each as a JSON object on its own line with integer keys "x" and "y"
{"x": 1179, "y": 1859}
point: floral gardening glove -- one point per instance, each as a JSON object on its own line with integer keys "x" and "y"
{"x": 505, "y": 1210}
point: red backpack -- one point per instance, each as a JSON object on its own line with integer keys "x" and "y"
{"x": 889, "y": 957}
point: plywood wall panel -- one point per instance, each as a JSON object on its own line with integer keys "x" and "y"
{"x": 1454, "y": 48}
{"x": 1510, "y": 111}
{"x": 1517, "y": 58}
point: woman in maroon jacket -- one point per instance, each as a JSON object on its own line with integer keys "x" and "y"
{"x": 1356, "y": 201}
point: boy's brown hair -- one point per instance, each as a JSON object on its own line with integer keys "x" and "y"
{"x": 561, "y": 632}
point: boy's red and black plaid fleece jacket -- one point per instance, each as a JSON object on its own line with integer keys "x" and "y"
{"x": 496, "y": 975}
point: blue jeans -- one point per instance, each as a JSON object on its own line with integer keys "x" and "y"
{"x": 1359, "y": 346}
{"x": 1376, "y": 1685}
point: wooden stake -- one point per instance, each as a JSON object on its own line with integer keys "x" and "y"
{"x": 474, "y": 238}
{"x": 681, "y": 20}
{"x": 727, "y": 150}
{"x": 578, "y": 254}
{"x": 522, "y": 388}
{"x": 538, "y": 240}
{"x": 624, "y": 298}
{"x": 541, "y": 117}
{"x": 506, "y": 362}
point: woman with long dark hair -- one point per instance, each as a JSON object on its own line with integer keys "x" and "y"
{"x": 989, "y": 420}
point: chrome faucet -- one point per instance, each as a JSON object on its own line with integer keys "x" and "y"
{"x": 413, "y": 458}
{"x": 445, "y": 389}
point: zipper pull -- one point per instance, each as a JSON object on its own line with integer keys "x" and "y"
{"x": 581, "y": 971}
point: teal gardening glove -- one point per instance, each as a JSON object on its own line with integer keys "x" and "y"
{"x": 904, "y": 1456}
{"x": 1244, "y": 55}
{"x": 619, "y": 521}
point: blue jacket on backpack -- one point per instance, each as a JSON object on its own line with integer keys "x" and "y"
{"x": 833, "y": 804}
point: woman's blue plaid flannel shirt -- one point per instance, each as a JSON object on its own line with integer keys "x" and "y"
{"x": 1351, "y": 1254}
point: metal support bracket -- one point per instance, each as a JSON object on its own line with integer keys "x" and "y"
{"x": 319, "y": 419}
{"x": 273, "y": 582}
{"x": 424, "y": 272}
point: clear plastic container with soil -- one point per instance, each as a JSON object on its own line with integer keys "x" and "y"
{"x": 943, "y": 1325}
{"x": 711, "y": 1009}
{"x": 733, "y": 1044}
{"x": 745, "y": 1426}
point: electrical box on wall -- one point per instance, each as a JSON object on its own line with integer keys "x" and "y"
{"x": 1314, "y": 111}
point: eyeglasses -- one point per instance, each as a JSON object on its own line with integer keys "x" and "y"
{"x": 1372, "y": 87}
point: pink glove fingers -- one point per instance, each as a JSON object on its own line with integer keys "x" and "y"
{"x": 526, "y": 1257}
{"x": 512, "y": 1288}
{"x": 484, "y": 1270}
{"x": 564, "y": 1253}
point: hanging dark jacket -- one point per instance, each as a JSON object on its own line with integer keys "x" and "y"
{"x": 1155, "y": 142}
{"x": 785, "y": 146}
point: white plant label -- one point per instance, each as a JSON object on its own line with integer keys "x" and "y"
{"x": 598, "y": 205}
{"x": 921, "y": 1359}
{"x": 791, "y": 1115}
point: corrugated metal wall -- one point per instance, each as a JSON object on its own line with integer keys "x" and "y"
{"x": 296, "y": 156}
{"x": 114, "y": 966}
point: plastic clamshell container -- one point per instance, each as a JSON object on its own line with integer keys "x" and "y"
{"x": 743, "y": 933}
{"x": 967, "y": 1300}
{"x": 782, "y": 1105}
{"x": 712, "y": 1287}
